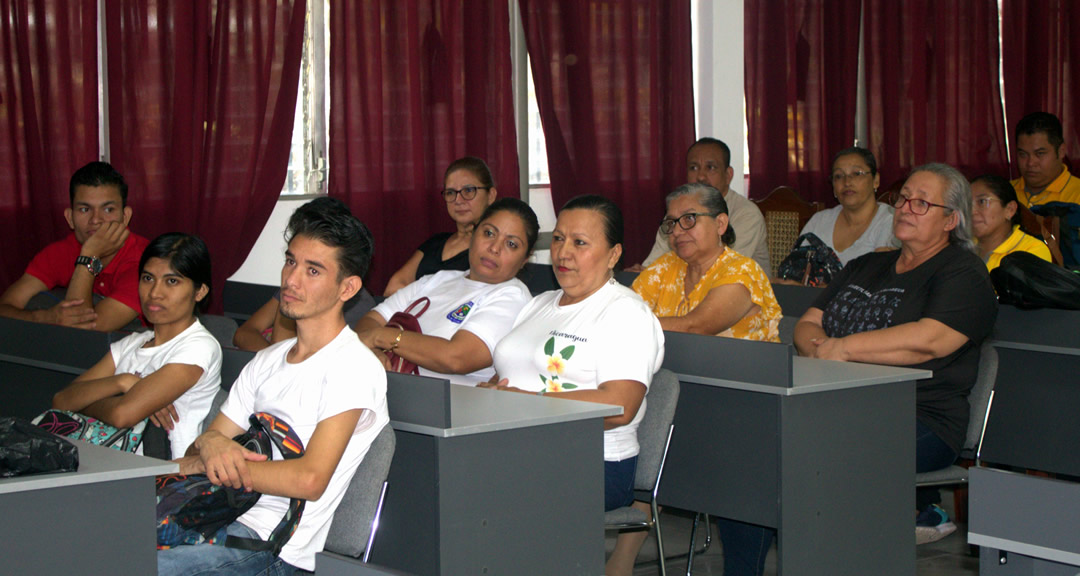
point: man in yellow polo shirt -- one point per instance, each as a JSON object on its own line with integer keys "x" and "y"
{"x": 1040, "y": 148}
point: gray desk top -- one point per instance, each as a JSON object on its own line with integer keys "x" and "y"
{"x": 811, "y": 375}
{"x": 1065, "y": 350}
{"x": 478, "y": 410}
{"x": 96, "y": 464}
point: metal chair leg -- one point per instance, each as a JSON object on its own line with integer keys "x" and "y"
{"x": 693, "y": 536}
{"x": 659, "y": 538}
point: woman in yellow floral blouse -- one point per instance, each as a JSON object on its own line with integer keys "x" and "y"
{"x": 703, "y": 286}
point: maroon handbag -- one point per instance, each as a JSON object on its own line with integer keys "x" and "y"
{"x": 408, "y": 321}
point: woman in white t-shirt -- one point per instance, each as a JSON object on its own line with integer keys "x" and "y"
{"x": 469, "y": 312}
{"x": 593, "y": 340}
{"x": 175, "y": 368}
{"x": 859, "y": 224}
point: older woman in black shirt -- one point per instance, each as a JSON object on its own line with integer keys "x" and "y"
{"x": 928, "y": 305}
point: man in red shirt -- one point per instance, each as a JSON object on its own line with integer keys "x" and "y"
{"x": 99, "y": 257}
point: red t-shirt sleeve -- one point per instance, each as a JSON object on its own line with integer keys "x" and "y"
{"x": 54, "y": 265}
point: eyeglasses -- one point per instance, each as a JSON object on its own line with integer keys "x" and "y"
{"x": 918, "y": 206}
{"x": 984, "y": 202}
{"x": 840, "y": 176}
{"x": 686, "y": 221}
{"x": 468, "y": 193}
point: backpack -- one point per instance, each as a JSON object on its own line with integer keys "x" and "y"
{"x": 407, "y": 321}
{"x": 28, "y": 449}
{"x": 1069, "y": 241}
{"x": 1027, "y": 281}
{"x": 811, "y": 262}
{"x": 92, "y": 430}
{"x": 191, "y": 510}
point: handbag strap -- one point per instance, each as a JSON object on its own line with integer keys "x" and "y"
{"x": 421, "y": 300}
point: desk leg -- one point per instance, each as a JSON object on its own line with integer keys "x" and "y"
{"x": 100, "y": 528}
{"x": 848, "y": 482}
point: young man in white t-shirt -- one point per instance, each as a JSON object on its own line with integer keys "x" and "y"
{"x": 324, "y": 383}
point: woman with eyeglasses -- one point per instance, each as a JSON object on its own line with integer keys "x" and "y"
{"x": 929, "y": 305}
{"x": 859, "y": 224}
{"x": 995, "y": 222}
{"x": 702, "y": 285}
{"x": 468, "y": 189}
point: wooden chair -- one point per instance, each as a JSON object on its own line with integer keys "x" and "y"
{"x": 785, "y": 215}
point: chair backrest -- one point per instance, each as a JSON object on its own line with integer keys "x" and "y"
{"x": 233, "y": 361}
{"x": 351, "y": 526}
{"x": 652, "y": 433}
{"x": 785, "y": 215}
{"x": 215, "y": 407}
{"x": 221, "y": 327}
{"x": 979, "y": 399}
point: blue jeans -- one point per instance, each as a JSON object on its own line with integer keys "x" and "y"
{"x": 745, "y": 547}
{"x": 931, "y": 453}
{"x": 619, "y": 483}
{"x": 216, "y": 560}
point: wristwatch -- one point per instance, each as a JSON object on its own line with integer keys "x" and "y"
{"x": 92, "y": 263}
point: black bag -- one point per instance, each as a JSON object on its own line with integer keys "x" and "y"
{"x": 811, "y": 262}
{"x": 1027, "y": 281}
{"x": 191, "y": 510}
{"x": 27, "y": 449}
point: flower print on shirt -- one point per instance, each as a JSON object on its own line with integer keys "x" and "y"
{"x": 556, "y": 364}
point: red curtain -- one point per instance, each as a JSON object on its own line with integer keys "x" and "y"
{"x": 1041, "y": 46}
{"x": 933, "y": 91}
{"x": 414, "y": 86}
{"x": 202, "y": 97}
{"x": 48, "y": 119}
{"x": 802, "y": 61}
{"x": 615, "y": 91}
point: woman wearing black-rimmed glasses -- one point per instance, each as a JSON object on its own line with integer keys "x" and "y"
{"x": 703, "y": 285}
{"x": 468, "y": 189}
{"x": 928, "y": 305}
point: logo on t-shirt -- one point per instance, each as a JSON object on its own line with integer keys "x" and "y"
{"x": 459, "y": 313}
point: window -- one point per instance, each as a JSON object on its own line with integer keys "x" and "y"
{"x": 308, "y": 168}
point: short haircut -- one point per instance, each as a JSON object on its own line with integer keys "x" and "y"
{"x": 473, "y": 165}
{"x": 188, "y": 256}
{"x": 521, "y": 210}
{"x": 98, "y": 174}
{"x": 707, "y": 141}
{"x": 329, "y": 221}
{"x": 957, "y": 198}
{"x": 1004, "y": 191}
{"x": 713, "y": 201}
{"x": 608, "y": 210}
{"x": 1041, "y": 122}
{"x": 866, "y": 155}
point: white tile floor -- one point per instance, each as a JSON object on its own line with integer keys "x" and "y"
{"x": 947, "y": 557}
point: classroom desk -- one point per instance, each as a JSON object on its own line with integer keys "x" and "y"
{"x": 97, "y": 520}
{"x": 39, "y": 360}
{"x": 492, "y": 482}
{"x": 1026, "y": 524}
{"x": 824, "y": 452}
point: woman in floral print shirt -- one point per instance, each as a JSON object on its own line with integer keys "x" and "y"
{"x": 703, "y": 286}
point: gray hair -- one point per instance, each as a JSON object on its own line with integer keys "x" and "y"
{"x": 958, "y": 199}
{"x": 711, "y": 198}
